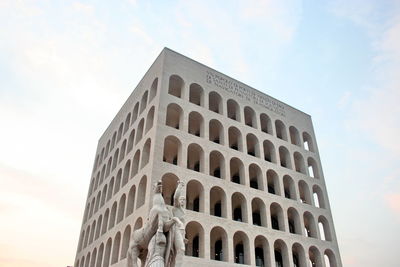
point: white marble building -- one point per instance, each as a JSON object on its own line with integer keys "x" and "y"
{"x": 255, "y": 189}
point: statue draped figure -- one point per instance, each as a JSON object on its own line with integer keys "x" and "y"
{"x": 161, "y": 241}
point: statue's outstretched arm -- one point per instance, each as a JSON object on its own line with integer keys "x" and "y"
{"x": 178, "y": 192}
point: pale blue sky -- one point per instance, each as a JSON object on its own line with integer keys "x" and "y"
{"x": 66, "y": 67}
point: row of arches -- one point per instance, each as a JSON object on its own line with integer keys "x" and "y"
{"x": 131, "y": 168}
{"x": 264, "y": 253}
{"x": 126, "y": 147}
{"x": 237, "y": 207}
{"x": 130, "y": 119}
{"x": 235, "y": 171}
{"x": 233, "y": 111}
{"x": 115, "y": 214}
{"x": 235, "y": 140}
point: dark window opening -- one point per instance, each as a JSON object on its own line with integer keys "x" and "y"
{"x": 217, "y": 173}
{"x": 236, "y": 178}
{"x": 218, "y": 209}
{"x": 259, "y": 257}
{"x": 218, "y": 250}
{"x": 275, "y": 222}
{"x": 239, "y": 254}
{"x": 254, "y": 183}
{"x": 195, "y": 247}
{"x": 256, "y": 218}
{"x": 237, "y": 215}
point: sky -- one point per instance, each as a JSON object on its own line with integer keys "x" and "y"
{"x": 66, "y": 67}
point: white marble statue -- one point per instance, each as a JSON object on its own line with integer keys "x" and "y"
{"x": 161, "y": 241}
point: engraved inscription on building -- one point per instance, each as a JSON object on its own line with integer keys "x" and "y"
{"x": 247, "y": 94}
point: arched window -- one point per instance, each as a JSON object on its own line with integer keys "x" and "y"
{"x": 93, "y": 258}
{"x": 256, "y": 177}
{"x": 239, "y": 207}
{"x": 125, "y": 176}
{"x": 195, "y": 196}
{"x": 118, "y": 181}
{"x": 310, "y": 227}
{"x": 131, "y": 201}
{"x": 127, "y": 122}
{"x": 172, "y": 150}
{"x": 195, "y": 158}
{"x": 98, "y": 228}
{"x": 281, "y": 254}
{"x": 250, "y": 118}
{"x": 153, "y": 89}
{"x": 284, "y": 157}
{"x": 107, "y": 253}
{"x": 146, "y": 153}
{"x": 110, "y": 189}
{"x": 319, "y": 200}
{"x": 218, "y": 244}
{"x": 330, "y": 259}
{"x": 280, "y": 130}
{"x": 139, "y": 132}
{"x": 113, "y": 214}
{"x": 196, "y": 124}
{"x": 253, "y": 147}
{"x": 113, "y": 140}
{"x": 217, "y": 165}
{"x": 100, "y": 255}
{"x": 304, "y": 191}
{"x": 115, "y": 250}
{"x": 241, "y": 248}
{"x": 273, "y": 182}
{"x": 289, "y": 187}
{"x": 237, "y": 171}
{"x": 269, "y": 151}
{"x": 215, "y": 102}
{"x": 107, "y": 148}
{"x": 308, "y": 142}
{"x": 135, "y": 163}
{"x": 294, "y": 221}
{"x": 143, "y": 102}
{"x": 121, "y": 208}
{"x": 196, "y": 94}
{"x": 175, "y": 86}
{"x": 315, "y": 256}
{"x": 235, "y": 139}
{"x": 313, "y": 168}
{"x": 216, "y": 132}
{"x": 266, "y": 124}
{"x": 119, "y": 135}
{"x": 324, "y": 229}
{"x": 233, "y": 110}
{"x": 130, "y": 140}
{"x": 299, "y": 257}
{"x": 277, "y": 218}
{"x": 149, "y": 119}
{"x": 299, "y": 163}
{"x": 218, "y": 202}
{"x": 169, "y": 184}
{"x": 108, "y": 169}
{"x": 125, "y": 242}
{"x": 294, "y": 136}
{"x": 261, "y": 251}
{"x": 135, "y": 113}
{"x": 195, "y": 236}
{"x": 258, "y": 212}
{"x": 105, "y": 221}
{"x": 174, "y": 116}
{"x": 141, "y": 192}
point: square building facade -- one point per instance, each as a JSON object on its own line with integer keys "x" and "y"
{"x": 255, "y": 190}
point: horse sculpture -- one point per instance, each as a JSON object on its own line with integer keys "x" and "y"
{"x": 159, "y": 219}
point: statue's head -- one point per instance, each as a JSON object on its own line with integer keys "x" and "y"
{"x": 158, "y": 187}
{"x": 182, "y": 201}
